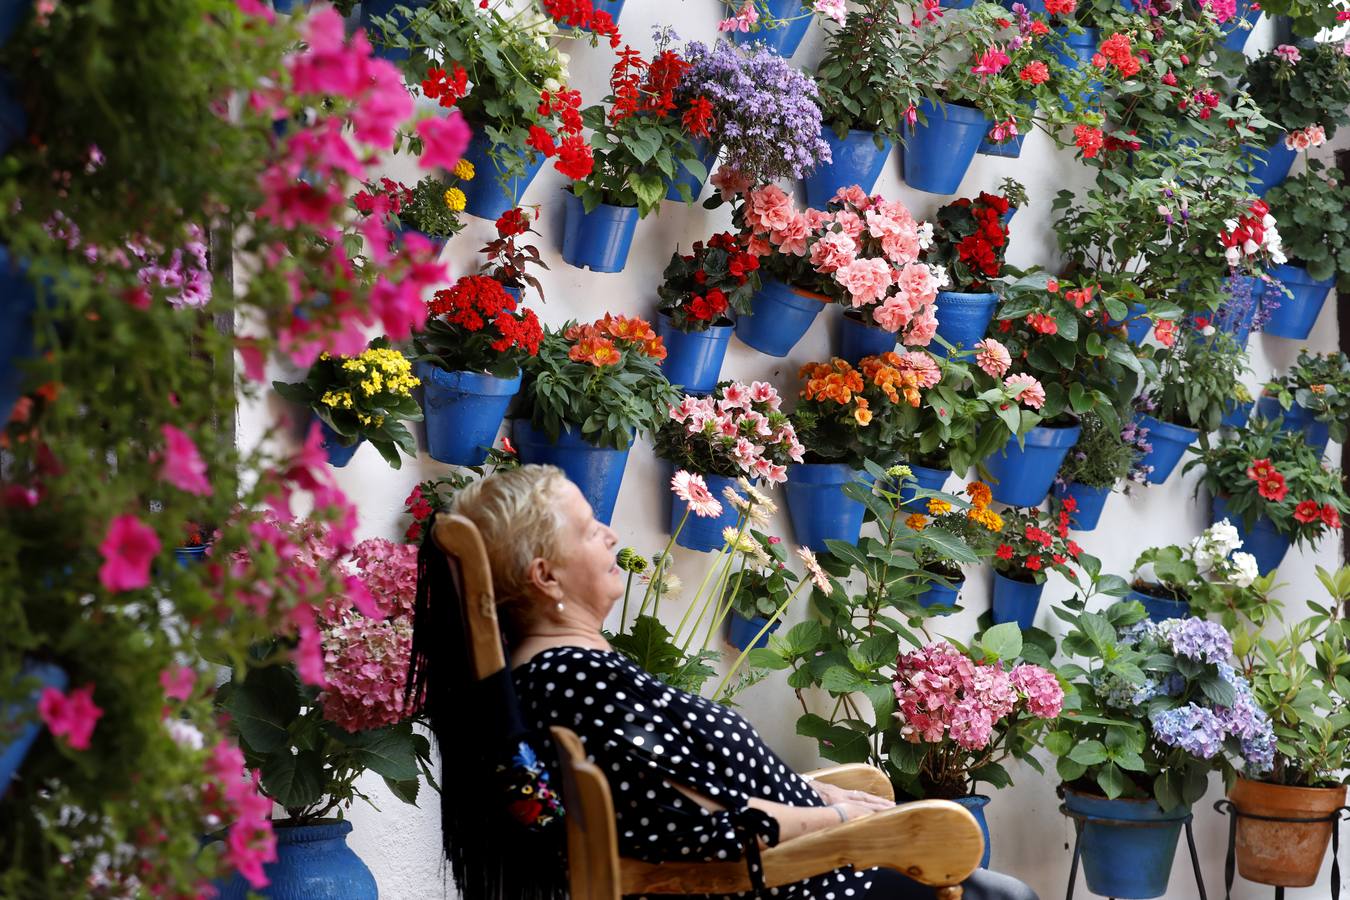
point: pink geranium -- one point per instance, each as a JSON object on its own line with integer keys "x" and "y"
{"x": 183, "y": 466}
{"x": 71, "y": 716}
{"x": 128, "y": 550}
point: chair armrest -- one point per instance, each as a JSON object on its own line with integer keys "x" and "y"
{"x": 935, "y": 842}
{"x": 855, "y": 777}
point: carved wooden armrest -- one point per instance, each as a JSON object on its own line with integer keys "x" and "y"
{"x": 855, "y": 777}
{"x": 935, "y": 842}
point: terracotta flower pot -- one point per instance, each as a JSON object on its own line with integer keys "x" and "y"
{"x": 1287, "y": 854}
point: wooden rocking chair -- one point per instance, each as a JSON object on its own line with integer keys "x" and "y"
{"x": 935, "y": 842}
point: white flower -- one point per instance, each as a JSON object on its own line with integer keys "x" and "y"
{"x": 1224, "y": 537}
{"x": 185, "y": 734}
{"x": 1244, "y": 569}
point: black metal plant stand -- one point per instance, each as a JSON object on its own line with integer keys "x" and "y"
{"x": 1078, "y": 821}
{"x": 1225, "y": 807}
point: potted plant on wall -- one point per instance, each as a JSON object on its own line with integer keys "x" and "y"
{"x": 764, "y": 116}
{"x": 469, "y": 355}
{"x": 585, "y": 395}
{"x": 778, "y": 24}
{"x": 1305, "y": 93}
{"x": 1031, "y": 545}
{"x": 762, "y": 588}
{"x": 1207, "y": 575}
{"x": 736, "y": 432}
{"x": 970, "y": 239}
{"x": 1104, "y": 457}
{"x": 1313, "y": 397}
{"x": 699, "y": 292}
{"x": 1296, "y": 680}
{"x": 508, "y": 260}
{"x": 360, "y": 398}
{"x": 1315, "y": 242}
{"x": 430, "y": 208}
{"x": 977, "y": 526}
{"x": 640, "y": 139}
{"x": 1273, "y": 487}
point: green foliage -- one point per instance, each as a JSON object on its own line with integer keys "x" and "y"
{"x": 1314, "y": 225}
{"x": 1320, "y": 384}
{"x": 430, "y": 210}
{"x": 1313, "y": 91}
{"x": 651, "y": 646}
{"x": 1101, "y": 458}
{"x": 1196, "y": 379}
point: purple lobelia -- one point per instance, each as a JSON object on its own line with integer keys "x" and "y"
{"x": 765, "y": 114}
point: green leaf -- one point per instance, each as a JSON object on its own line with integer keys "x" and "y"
{"x": 1059, "y": 743}
{"x": 404, "y": 790}
{"x": 294, "y": 780}
{"x": 1089, "y": 753}
{"x": 263, "y": 707}
{"x": 841, "y": 680}
{"x": 1003, "y": 642}
{"x": 1113, "y": 781}
{"x": 388, "y": 752}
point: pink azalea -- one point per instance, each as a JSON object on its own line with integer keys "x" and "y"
{"x": 1026, "y": 389}
{"x": 726, "y": 426}
{"x": 444, "y": 140}
{"x": 852, "y": 195}
{"x": 768, "y": 209}
{"x": 178, "y": 682}
{"x": 917, "y": 285}
{"x": 992, "y": 358}
{"x": 183, "y": 466}
{"x": 763, "y": 392}
{"x": 682, "y": 410}
{"x": 759, "y": 424}
{"x": 866, "y": 280}
{"x": 746, "y": 453}
{"x": 128, "y": 550}
{"x": 851, "y": 222}
{"x": 774, "y": 474}
{"x": 735, "y": 396}
{"x": 691, "y": 488}
{"x": 71, "y": 716}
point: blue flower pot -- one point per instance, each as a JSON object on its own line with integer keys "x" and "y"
{"x": 783, "y": 40}
{"x": 191, "y": 555}
{"x": 963, "y": 319}
{"x": 1296, "y": 418}
{"x": 854, "y": 160}
{"x": 339, "y": 454}
{"x": 484, "y": 195}
{"x": 1169, "y": 445}
{"x": 1269, "y": 165}
{"x": 976, "y": 803}
{"x": 21, "y": 741}
{"x": 1023, "y": 475}
{"x": 313, "y": 863}
{"x": 597, "y": 471}
{"x": 1008, "y": 216}
{"x": 1295, "y": 316}
{"x": 1136, "y": 322}
{"x": 1235, "y": 36}
{"x": 1077, "y": 54}
{"x": 598, "y": 240}
{"x": 1090, "y": 500}
{"x": 818, "y": 507}
{"x": 779, "y": 316}
{"x": 399, "y": 230}
{"x": 857, "y": 340}
{"x": 1159, "y": 608}
{"x": 707, "y": 154}
{"x": 924, "y": 477}
{"x": 1261, "y": 540}
{"x": 957, "y": 4}
{"x": 940, "y": 149}
{"x": 12, "y": 12}
{"x": 463, "y": 411}
{"x": 1236, "y": 414}
{"x": 1127, "y": 846}
{"x": 741, "y": 631}
{"x": 700, "y": 533}
{"x": 16, "y": 328}
{"x": 940, "y": 595}
{"x": 370, "y": 9}
{"x": 1016, "y": 601}
{"x": 693, "y": 360}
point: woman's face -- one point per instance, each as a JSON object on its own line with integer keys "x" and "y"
{"x": 585, "y": 569}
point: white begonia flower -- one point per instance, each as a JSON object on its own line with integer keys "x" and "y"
{"x": 1224, "y": 536}
{"x": 1245, "y": 570}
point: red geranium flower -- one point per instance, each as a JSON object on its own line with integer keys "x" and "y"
{"x": 1004, "y": 552}
{"x": 1033, "y": 563}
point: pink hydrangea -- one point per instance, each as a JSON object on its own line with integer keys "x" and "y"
{"x": 388, "y": 570}
{"x": 365, "y": 664}
{"x": 992, "y": 358}
{"x": 1041, "y": 689}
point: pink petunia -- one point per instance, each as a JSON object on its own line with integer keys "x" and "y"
{"x": 128, "y": 550}
{"x": 71, "y": 716}
{"x": 256, "y": 9}
{"x": 178, "y": 682}
{"x": 444, "y": 140}
{"x": 183, "y": 466}
{"x": 1026, "y": 389}
{"x": 992, "y": 358}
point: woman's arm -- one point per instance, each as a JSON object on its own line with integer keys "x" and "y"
{"x": 793, "y": 821}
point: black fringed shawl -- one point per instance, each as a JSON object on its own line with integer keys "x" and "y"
{"x": 499, "y": 812}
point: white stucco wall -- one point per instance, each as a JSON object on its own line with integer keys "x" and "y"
{"x": 1030, "y": 839}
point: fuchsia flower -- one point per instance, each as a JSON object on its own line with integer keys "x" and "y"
{"x": 444, "y": 140}
{"x": 1026, "y": 390}
{"x": 992, "y": 358}
{"x": 128, "y": 550}
{"x": 183, "y": 466}
{"x": 71, "y": 716}
{"x": 990, "y": 62}
{"x": 693, "y": 490}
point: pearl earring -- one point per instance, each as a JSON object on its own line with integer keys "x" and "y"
{"x": 560, "y": 606}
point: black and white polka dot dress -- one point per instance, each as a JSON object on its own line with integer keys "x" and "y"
{"x": 648, "y": 736}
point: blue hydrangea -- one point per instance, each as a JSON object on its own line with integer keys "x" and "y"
{"x": 1137, "y": 633}
{"x": 1247, "y": 722}
{"x": 1198, "y": 639}
{"x": 1123, "y": 694}
{"x": 1192, "y": 728}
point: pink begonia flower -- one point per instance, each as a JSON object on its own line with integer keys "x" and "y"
{"x": 730, "y": 183}
{"x": 256, "y": 9}
{"x": 791, "y": 239}
{"x": 183, "y": 466}
{"x": 128, "y": 550}
{"x": 866, "y": 281}
{"x": 1289, "y": 53}
{"x": 178, "y": 682}
{"x": 71, "y": 716}
{"x": 832, "y": 9}
{"x": 922, "y": 329}
{"x": 992, "y": 357}
{"x": 768, "y": 208}
{"x": 852, "y": 195}
{"x": 1026, "y": 389}
{"x": 444, "y": 140}
{"x": 744, "y": 19}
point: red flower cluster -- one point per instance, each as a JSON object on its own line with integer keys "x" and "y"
{"x": 1035, "y": 72}
{"x": 1116, "y": 51}
{"x": 698, "y": 118}
{"x": 448, "y": 90}
{"x": 1061, "y": 7}
{"x": 1042, "y": 322}
{"x": 575, "y": 159}
{"x": 638, "y": 86}
{"x": 1251, "y": 227}
{"x": 512, "y": 223}
{"x": 983, "y": 250}
{"x": 1270, "y": 483}
{"x": 1088, "y": 139}
{"x": 476, "y": 301}
{"x": 1206, "y": 100}
{"x": 1112, "y": 143}
{"x": 385, "y": 200}
{"x": 419, "y": 507}
{"x": 581, "y": 14}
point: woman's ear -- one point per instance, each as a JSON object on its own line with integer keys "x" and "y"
{"x": 540, "y": 576}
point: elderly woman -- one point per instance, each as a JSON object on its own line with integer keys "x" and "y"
{"x": 691, "y": 780}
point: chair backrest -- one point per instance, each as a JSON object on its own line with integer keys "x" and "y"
{"x": 592, "y": 842}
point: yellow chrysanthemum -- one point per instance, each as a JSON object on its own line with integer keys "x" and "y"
{"x": 937, "y": 506}
{"x": 464, "y": 170}
{"x": 916, "y": 522}
{"x": 455, "y": 199}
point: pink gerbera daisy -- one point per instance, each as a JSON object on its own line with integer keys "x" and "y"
{"x": 693, "y": 490}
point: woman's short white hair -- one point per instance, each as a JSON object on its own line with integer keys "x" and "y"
{"x": 517, "y": 513}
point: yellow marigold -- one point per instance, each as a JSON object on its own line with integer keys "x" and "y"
{"x": 937, "y": 506}
{"x": 979, "y": 494}
{"x": 991, "y": 520}
{"x": 916, "y": 522}
{"x": 464, "y": 170}
{"x": 455, "y": 199}
{"x": 862, "y": 416}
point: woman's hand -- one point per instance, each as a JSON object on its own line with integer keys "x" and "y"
{"x": 837, "y": 796}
